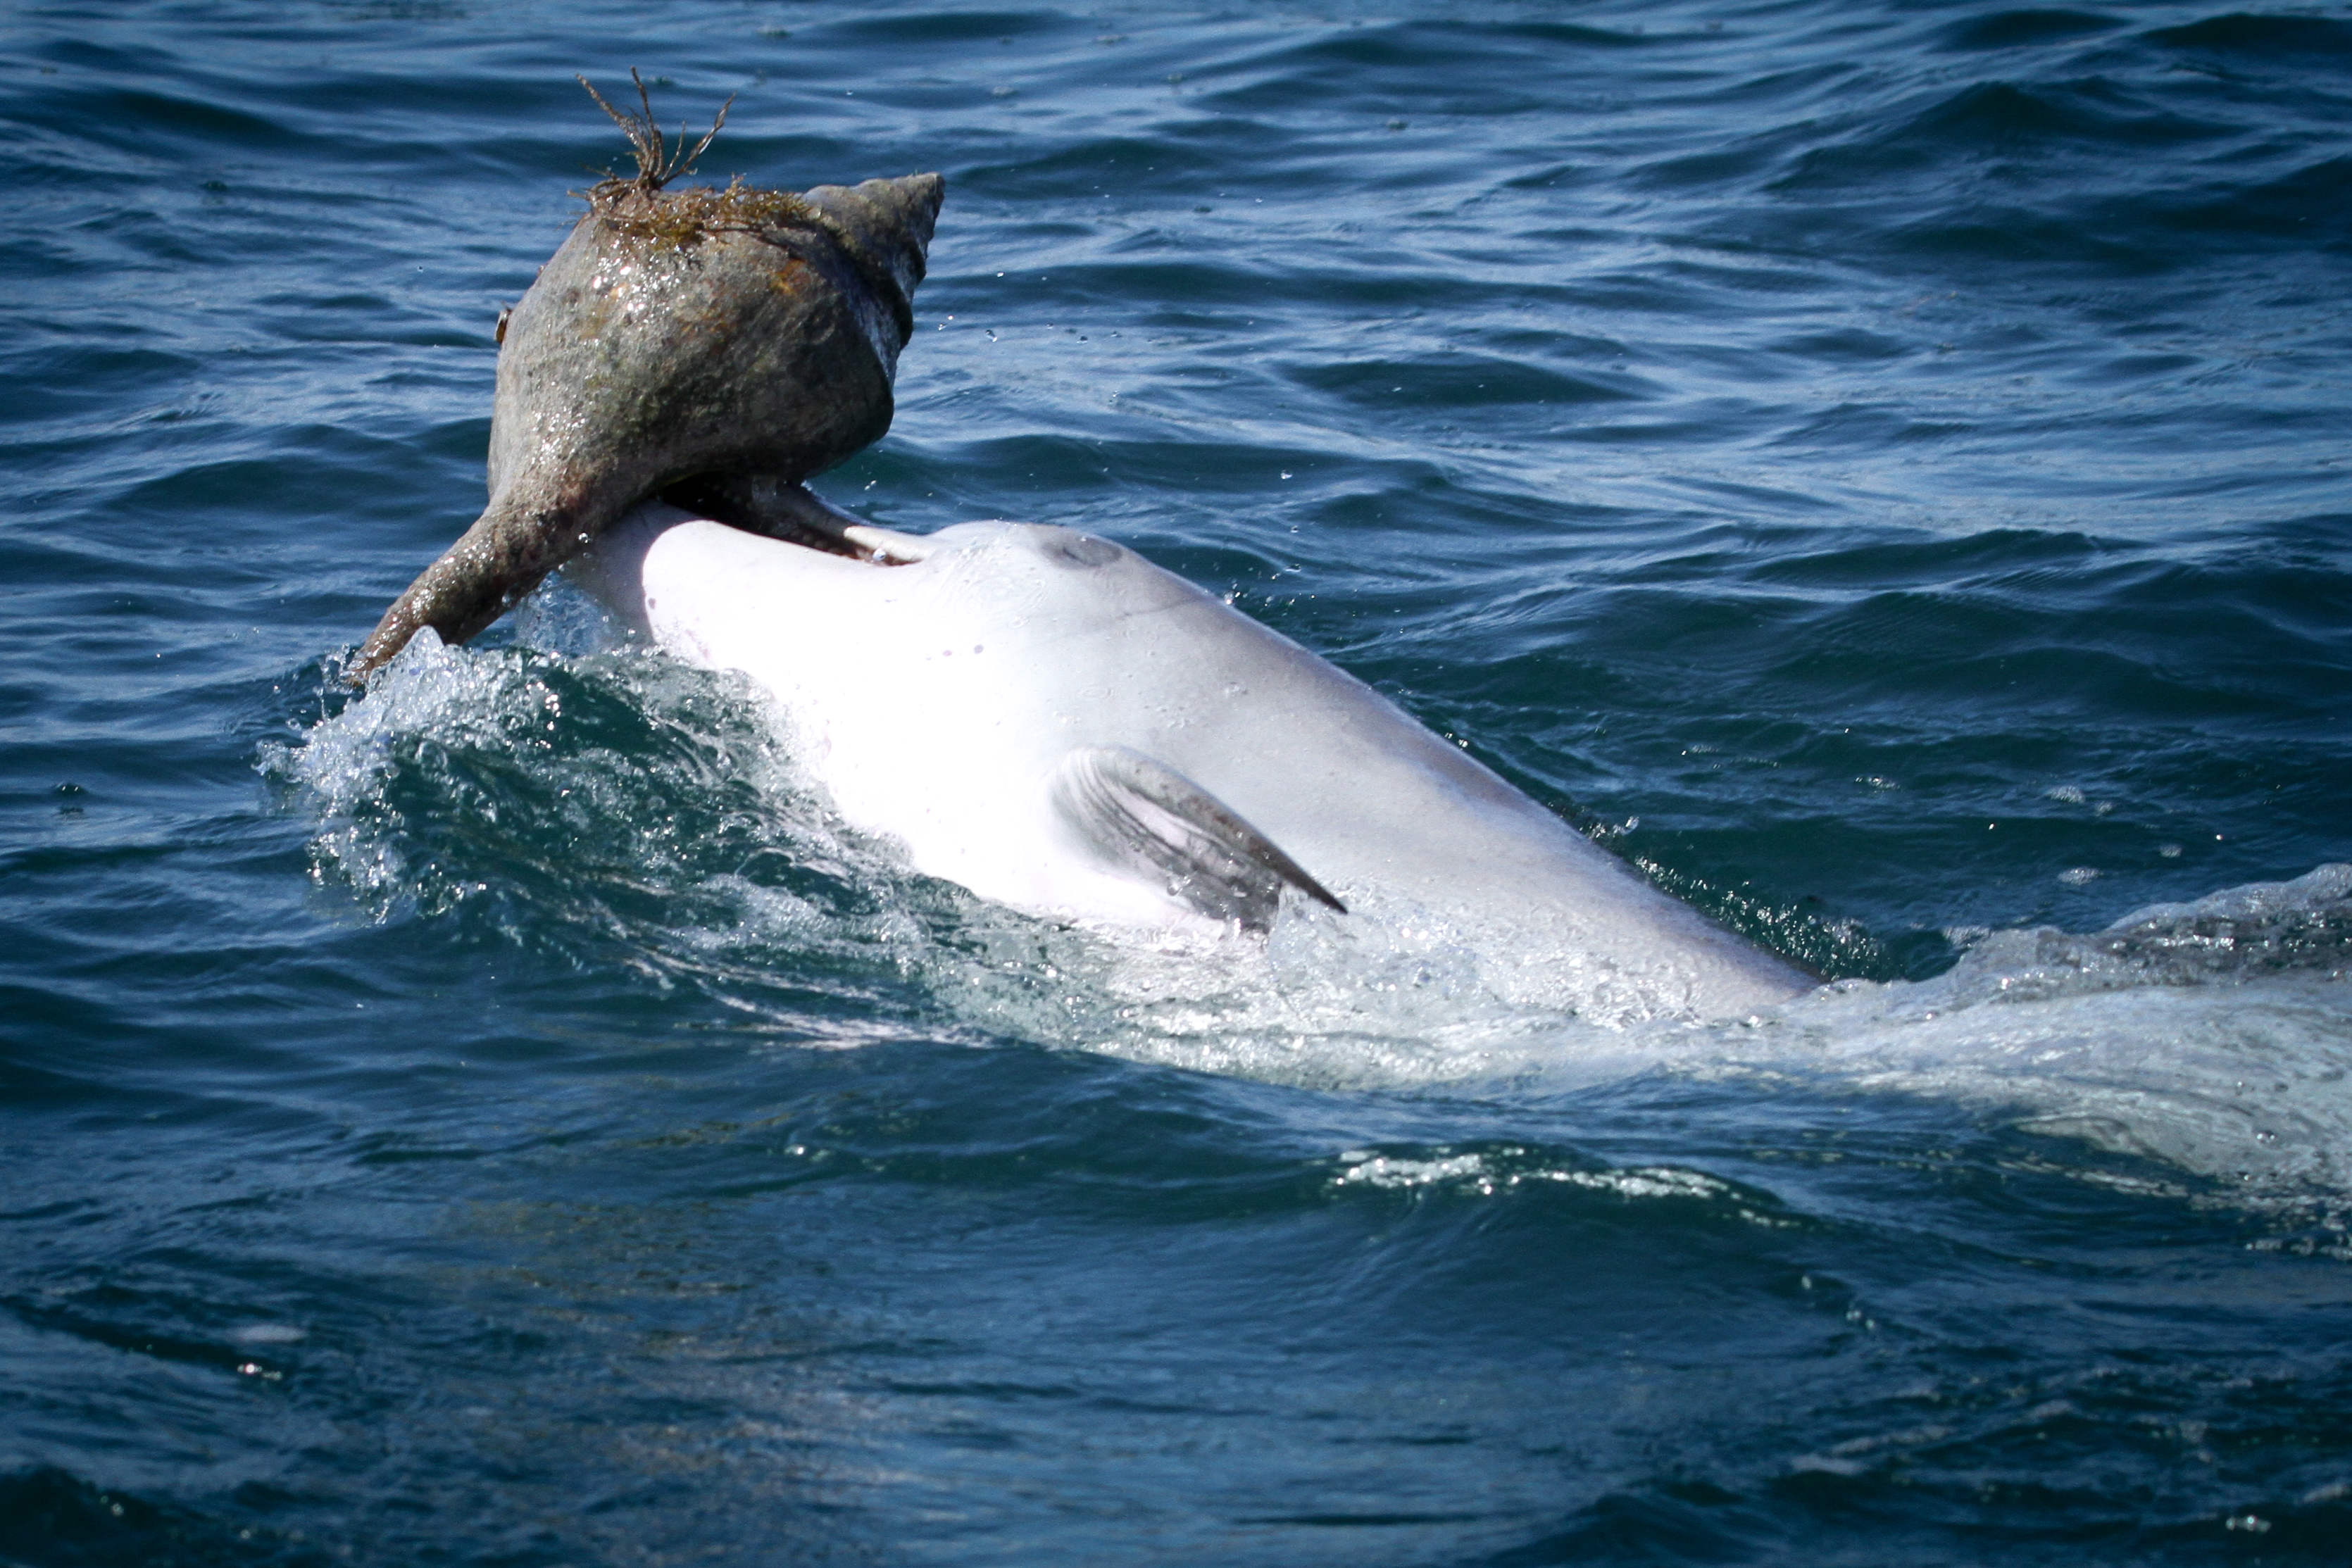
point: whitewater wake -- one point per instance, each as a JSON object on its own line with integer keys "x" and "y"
{"x": 624, "y": 809}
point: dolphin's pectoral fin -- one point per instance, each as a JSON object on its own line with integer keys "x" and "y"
{"x": 1144, "y": 816}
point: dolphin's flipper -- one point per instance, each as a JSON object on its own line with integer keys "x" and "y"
{"x": 1144, "y": 816}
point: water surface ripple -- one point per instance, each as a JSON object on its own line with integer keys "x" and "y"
{"x": 1879, "y": 467}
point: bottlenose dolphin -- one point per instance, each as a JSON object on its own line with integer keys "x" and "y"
{"x": 1055, "y": 723}
{"x": 675, "y": 334}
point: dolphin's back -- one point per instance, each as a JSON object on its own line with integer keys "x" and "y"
{"x": 940, "y": 701}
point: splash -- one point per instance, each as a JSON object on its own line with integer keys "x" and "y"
{"x": 634, "y": 813}
{"x": 605, "y": 803}
{"x": 2214, "y": 1035}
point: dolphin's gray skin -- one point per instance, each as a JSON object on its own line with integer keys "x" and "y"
{"x": 1054, "y": 721}
{"x": 677, "y": 334}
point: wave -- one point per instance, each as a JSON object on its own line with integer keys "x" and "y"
{"x": 2024, "y": 30}
{"x": 50, "y": 1515}
{"x": 645, "y": 819}
{"x": 2213, "y": 1035}
{"x": 2302, "y": 41}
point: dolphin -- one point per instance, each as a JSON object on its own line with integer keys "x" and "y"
{"x": 677, "y": 334}
{"x": 1056, "y": 724}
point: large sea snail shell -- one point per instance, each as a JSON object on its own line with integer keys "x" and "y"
{"x": 677, "y": 334}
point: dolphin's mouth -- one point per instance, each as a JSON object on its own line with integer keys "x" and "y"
{"x": 793, "y": 515}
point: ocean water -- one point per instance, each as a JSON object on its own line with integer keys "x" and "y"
{"x": 1879, "y": 466}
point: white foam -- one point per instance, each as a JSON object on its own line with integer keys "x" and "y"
{"x": 2215, "y": 1035}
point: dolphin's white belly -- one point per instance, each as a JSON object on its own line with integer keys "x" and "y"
{"x": 940, "y": 703}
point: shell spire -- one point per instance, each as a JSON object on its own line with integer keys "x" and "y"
{"x": 885, "y": 226}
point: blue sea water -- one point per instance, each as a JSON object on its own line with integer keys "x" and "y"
{"x": 1879, "y": 466}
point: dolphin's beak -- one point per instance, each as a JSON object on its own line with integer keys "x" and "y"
{"x": 761, "y": 504}
{"x": 734, "y": 332}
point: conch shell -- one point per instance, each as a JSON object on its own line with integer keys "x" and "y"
{"x": 675, "y": 336}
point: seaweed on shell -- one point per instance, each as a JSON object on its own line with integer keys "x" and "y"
{"x": 642, "y": 209}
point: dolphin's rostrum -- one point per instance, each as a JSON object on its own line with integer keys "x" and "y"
{"x": 676, "y": 335}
